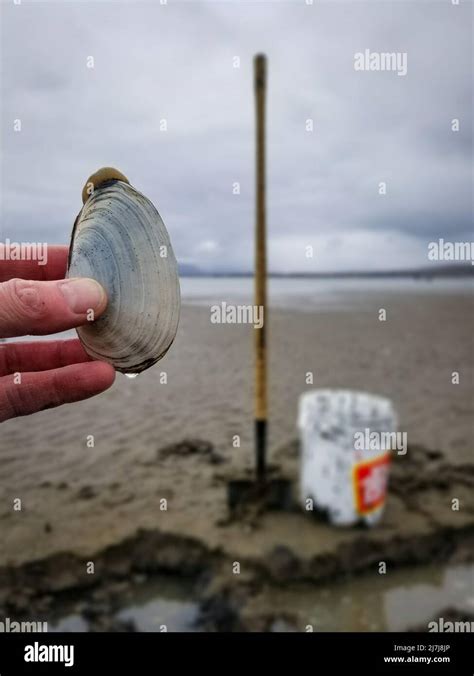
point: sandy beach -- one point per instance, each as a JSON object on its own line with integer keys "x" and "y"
{"x": 81, "y": 499}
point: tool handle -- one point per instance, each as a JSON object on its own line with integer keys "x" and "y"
{"x": 260, "y": 72}
{"x": 260, "y": 81}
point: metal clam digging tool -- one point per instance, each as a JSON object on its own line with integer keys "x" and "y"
{"x": 271, "y": 492}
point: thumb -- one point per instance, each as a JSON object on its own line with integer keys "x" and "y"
{"x": 39, "y": 308}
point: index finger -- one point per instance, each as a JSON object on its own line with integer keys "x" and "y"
{"x": 54, "y": 268}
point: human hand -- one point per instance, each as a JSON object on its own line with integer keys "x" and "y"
{"x": 37, "y": 300}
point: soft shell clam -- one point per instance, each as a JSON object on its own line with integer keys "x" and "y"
{"x": 120, "y": 240}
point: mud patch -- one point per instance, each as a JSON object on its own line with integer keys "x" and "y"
{"x": 274, "y": 551}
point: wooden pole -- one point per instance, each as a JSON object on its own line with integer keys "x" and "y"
{"x": 260, "y": 82}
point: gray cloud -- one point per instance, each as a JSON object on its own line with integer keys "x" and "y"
{"x": 175, "y": 62}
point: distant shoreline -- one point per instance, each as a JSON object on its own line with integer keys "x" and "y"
{"x": 455, "y": 271}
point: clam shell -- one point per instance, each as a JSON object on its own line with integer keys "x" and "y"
{"x": 120, "y": 240}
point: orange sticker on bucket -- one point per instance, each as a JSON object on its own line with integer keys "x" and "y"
{"x": 370, "y": 483}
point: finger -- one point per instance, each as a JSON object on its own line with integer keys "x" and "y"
{"x": 39, "y": 308}
{"x": 38, "y": 391}
{"x": 52, "y": 264}
{"x": 40, "y": 356}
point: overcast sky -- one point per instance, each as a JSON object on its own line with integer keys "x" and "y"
{"x": 175, "y": 62}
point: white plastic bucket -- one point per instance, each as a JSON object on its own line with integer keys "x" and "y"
{"x": 342, "y": 472}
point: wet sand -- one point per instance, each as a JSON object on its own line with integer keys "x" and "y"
{"x": 80, "y": 499}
